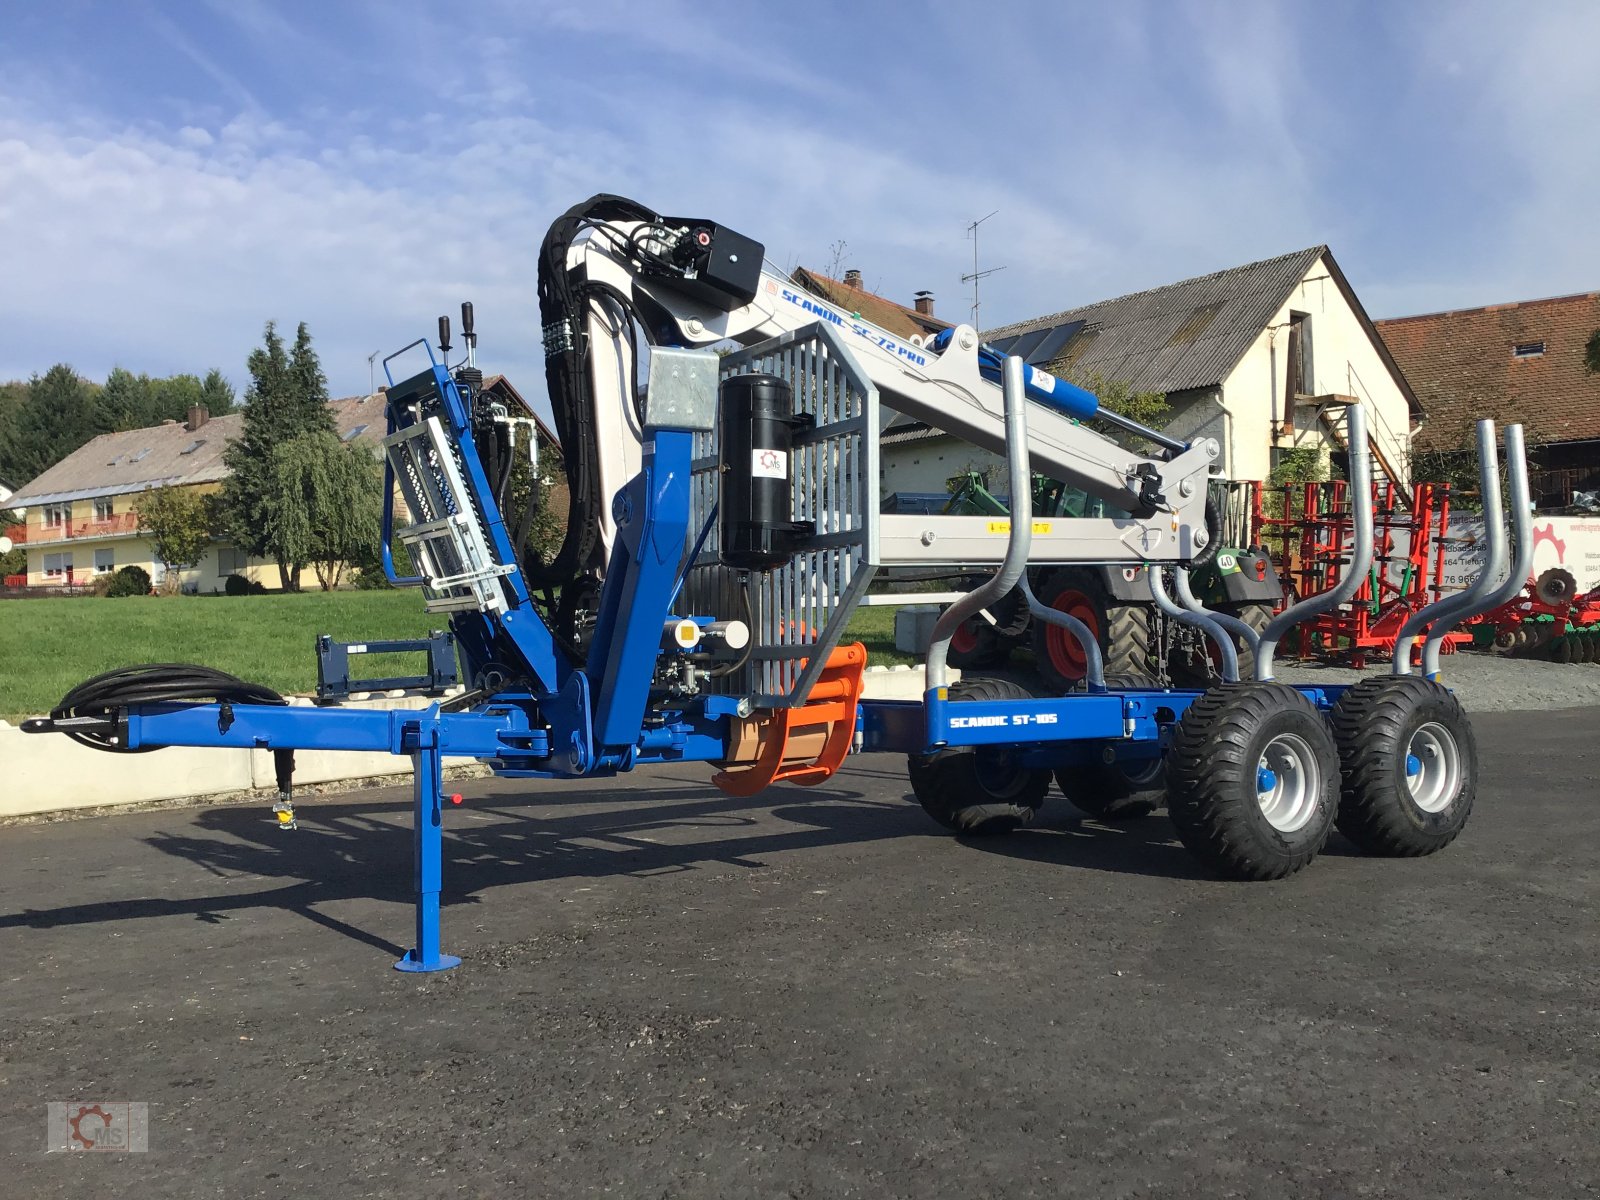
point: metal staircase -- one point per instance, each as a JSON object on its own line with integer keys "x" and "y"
{"x": 1333, "y": 415}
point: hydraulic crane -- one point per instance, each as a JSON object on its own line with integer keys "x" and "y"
{"x": 724, "y": 523}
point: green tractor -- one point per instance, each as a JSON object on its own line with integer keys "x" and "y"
{"x": 1140, "y": 644}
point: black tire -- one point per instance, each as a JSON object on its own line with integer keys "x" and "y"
{"x": 1115, "y": 791}
{"x": 1380, "y": 724}
{"x": 1561, "y": 648}
{"x": 1218, "y": 792}
{"x": 1124, "y": 631}
{"x": 975, "y": 644}
{"x": 978, "y": 791}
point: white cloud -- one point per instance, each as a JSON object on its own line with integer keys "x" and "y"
{"x": 1123, "y": 149}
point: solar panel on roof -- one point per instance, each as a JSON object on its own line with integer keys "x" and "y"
{"x": 1023, "y": 346}
{"x": 1003, "y": 345}
{"x": 1048, "y": 350}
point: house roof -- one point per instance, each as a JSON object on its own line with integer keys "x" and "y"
{"x": 136, "y": 459}
{"x": 907, "y": 429}
{"x": 503, "y": 388}
{"x": 882, "y": 312}
{"x": 1191, "y": 334}
{"x": 1464, "y": 365}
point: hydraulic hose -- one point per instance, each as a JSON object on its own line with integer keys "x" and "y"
{"x": 151, "y": 683}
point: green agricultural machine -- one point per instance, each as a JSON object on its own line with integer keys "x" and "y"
{"x": 1141, "y": 644}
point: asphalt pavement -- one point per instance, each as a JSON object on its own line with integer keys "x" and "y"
{"x": 670, "y": 992}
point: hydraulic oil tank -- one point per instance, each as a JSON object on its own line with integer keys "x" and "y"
{"x": 755, "y": 437}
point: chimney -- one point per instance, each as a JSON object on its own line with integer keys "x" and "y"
{"x": 199, "y": 414}
{"x": 852, "y": 279}
{"x": 924, "y": 303}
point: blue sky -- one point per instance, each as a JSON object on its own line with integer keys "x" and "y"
{"x": 174, "y": 174}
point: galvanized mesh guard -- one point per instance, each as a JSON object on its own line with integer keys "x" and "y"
{"x": 445, "y": 536}
{"x": 801, "y": 609}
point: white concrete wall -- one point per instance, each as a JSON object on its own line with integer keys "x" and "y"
{"x": 1344, "y": 361}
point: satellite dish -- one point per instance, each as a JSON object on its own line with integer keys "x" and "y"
{"x": 5, "y": 545}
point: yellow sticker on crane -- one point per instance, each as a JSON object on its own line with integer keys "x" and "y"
{"x": 1005, "y": 526}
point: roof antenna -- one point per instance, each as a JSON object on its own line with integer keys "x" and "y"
{"x": 972, "y": 232}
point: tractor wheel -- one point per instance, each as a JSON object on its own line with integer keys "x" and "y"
{"x": 979, "y": 790}
{"x": 1115, "y": 791}
{"x": 1122, "y": 629}
{"x": 975, "y": 644}
{"x": 1561, "y": 648}
{"x": 1409, "y": 763}
{"x": 1585, "y": 648}
{"x": 1253, "y": 780}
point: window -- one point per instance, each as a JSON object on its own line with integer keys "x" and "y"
{"x": 102, "y": 508}
{"x": 141, "y": 456}
{"x": 193, "y": 446}
{"x": 105, "y": 561}
{"x": 57, "y": 515}
{"x": 57, "y": 566}
{"x": 355, "y": 433}
{"x": 1527, "y": 350}
{"x": 231, "y": 561}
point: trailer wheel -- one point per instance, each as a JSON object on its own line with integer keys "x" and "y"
{"x": 979, "y": 790}
{"x": 1410, "y": 766}
{"x": 1115, "y": 791}
{"x": 1122, "y": 629}
{"x": 1253, "y": 780}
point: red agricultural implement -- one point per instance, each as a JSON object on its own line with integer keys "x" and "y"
{"x": 1549, "y": 620}
{"x": 1308, "y": 528}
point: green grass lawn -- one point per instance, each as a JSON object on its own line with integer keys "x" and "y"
{"x": 53, "y": 644}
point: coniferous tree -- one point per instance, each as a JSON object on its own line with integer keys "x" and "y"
{"x": 287, "y": 399}
{"x": 60, "y": 413}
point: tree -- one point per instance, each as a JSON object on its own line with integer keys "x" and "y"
{"x": 179, "y": 521}
{"x": 216, "y": 393}
{"x": 323, "y": 503}
{"x": 131, "y": 401}
{"x": 287, "y": 399}
{"x": 1591, "y": 353}
{"x": 60, "y": 413}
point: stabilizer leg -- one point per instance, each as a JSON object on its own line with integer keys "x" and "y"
{"x": 428, "y": 789}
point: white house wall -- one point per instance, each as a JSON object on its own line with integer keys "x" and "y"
{"x": 925, "y": 464}
{"x": 1344, "y": 361}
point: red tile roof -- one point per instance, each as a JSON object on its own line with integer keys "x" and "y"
{"x": 884, "y": 313}
{"x": 1464, "y": 365}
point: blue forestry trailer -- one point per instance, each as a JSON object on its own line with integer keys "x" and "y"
{"x": 724, "y": 523}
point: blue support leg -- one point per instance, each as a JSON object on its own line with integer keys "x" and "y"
{"x": 429, "y": 861}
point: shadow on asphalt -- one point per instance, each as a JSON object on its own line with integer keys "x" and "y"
{"x": 353, "y": 850}
{"x": 1144, "y": 847}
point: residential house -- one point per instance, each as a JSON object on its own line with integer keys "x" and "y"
{"x": 1264, "y": 358}
{"x": 850, "y": 294}
{"x": 82, "y": 516}
{"x": 82, "y": 519}
{"x": 1514, "y": 362}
